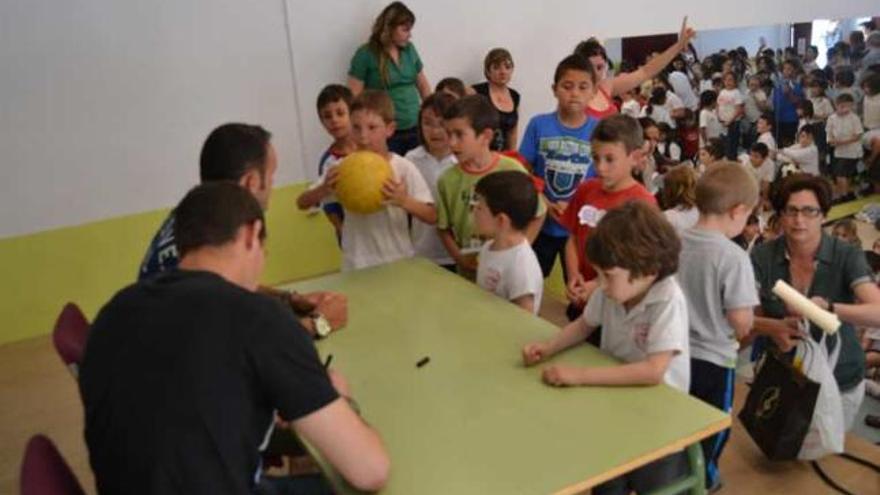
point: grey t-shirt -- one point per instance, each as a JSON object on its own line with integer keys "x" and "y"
{"x": 716, "y": 275}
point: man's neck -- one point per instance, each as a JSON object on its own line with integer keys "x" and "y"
{"x": 216, "y": 261}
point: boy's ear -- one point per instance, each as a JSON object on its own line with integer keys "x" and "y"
{"x": 390, "y": 128}
{"x": 487, "y": 135}
{"x": 250, "y": 180}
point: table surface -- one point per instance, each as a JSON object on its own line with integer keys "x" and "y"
{"x": 474, "y": 419}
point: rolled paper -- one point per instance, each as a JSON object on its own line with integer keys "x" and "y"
{"x": 823, "y": 319}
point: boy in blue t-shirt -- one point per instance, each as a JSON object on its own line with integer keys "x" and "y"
{"x": 557, "y": 145}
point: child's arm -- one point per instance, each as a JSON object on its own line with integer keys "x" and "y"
{"x": 624, "y": 82}
{"x": 454, "y": 251}
{"x": 526, "y": 302}
{"x": 647, "y": 372}
{"x": 423, "y": 85}
{"x": 313, "y": 197}
{"x": 395, "y": 192}
{"x": 571, "y": 334}
{"x": 741, "y": 320}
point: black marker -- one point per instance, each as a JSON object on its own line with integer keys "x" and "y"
{"x": 327, "y": 362}
{"x": 425, "y": 360}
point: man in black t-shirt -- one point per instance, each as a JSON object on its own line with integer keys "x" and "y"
{"x": 183, "y": 373}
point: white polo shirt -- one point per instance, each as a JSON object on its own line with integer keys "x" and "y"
{"x": 658, "y": 323}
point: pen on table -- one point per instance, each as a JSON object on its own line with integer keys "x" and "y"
{"x": 328, "y": 361}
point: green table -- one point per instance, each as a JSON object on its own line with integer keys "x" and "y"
{"x": 474, "y": 419}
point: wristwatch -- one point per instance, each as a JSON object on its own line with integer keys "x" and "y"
{"x": 322, "y": 326}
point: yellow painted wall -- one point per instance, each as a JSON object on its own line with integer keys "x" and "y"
{"x": 88, "y": 263}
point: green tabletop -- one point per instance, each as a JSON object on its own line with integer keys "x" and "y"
{"x": 474, "y": 419}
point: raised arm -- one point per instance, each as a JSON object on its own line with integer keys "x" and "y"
{"x": 624, "y": 82}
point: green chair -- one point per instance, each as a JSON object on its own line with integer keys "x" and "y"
{"x": 695, "y": 484}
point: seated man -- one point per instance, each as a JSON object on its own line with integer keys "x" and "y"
{"x": 243, "y": 153}
{"x": 183, "y": 372}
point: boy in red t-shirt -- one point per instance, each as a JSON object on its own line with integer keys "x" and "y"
{"x": 617, "y": 149}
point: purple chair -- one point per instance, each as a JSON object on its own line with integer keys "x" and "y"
{"x": 44, "y": 472}
{"x": 70, "y": 334}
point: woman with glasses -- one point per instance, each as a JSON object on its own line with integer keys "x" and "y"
{"x": 833, "y": 273}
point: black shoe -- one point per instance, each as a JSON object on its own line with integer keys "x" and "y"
{"x": 872, "y": 420}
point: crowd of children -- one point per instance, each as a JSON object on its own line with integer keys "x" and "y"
{"x": 583, "y": 189}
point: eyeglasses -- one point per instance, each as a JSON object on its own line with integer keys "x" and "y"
{"x": 806, "y": 211}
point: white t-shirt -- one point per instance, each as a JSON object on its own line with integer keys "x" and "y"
{"x": 768, "y": 139}
{"x": 709, "y": 121}
{"x": 752, "y": 104}
{"x": 845, "y": 127}
{"x": 822, "y": 107}
{"x": 658, "y": 113}
{"x": 425, "y": 238}
{"x": 682, "y": 218}
{"x": 511, "y": 273}
{"x": 383, "y": 237}
{"x": 631, "y": 108}
{"x": 871, "y": 112}
{"x": 805, "y": 157}
{"x": 728, "y": 99}
{"x": 682, "y": 87}
{"x": 765, "y": 173}
{"x": 673, "y": 103}
{"x": 658, "y": 323}
{"x": 674, "y": 150}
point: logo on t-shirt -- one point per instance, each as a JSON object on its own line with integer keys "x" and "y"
{"x": 493, "y": 278}
{"x": 640, "y": 335}
{"x": 590, "y": 215}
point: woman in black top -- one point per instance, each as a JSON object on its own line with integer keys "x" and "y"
{"x": 498, "y": 68}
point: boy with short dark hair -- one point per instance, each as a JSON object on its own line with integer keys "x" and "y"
{"x": 557, "y": 146}
{"x": 616, "y": 147}
{"x": 470, "y": 123}
{"x": 717, "y": 279}
{"x": 645, "y": 319}
{"x": 506, "y": 205}
{"x": 334, "y": 102}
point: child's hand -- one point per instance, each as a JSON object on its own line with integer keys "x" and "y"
{"x": 576, "y": 289}
{"x": 686, "y": 34}
{"x": 331, "y": 178}
{"x": 535, "y": 352}
{"x": 560, "y": 376}
{"x": 467, "y": 262}
{"x": 395, "y": 192}
{"x": 557, "y": 209}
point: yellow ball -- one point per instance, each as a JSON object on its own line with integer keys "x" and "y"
{"x": 361, "y": 175}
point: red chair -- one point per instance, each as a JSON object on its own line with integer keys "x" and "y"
{"x": 44, "y": 471}
{"x": 70, "y": 334}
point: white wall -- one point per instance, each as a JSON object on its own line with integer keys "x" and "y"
{"x": 104, "y": 104}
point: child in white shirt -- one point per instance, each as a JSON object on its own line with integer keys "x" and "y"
{"x": 506, "y": 203}
{"x": 432, "y": 158}
{"x": 644, "y": 318}
{"x": 804, "y": 154}
{"x": 710, "y": 126}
